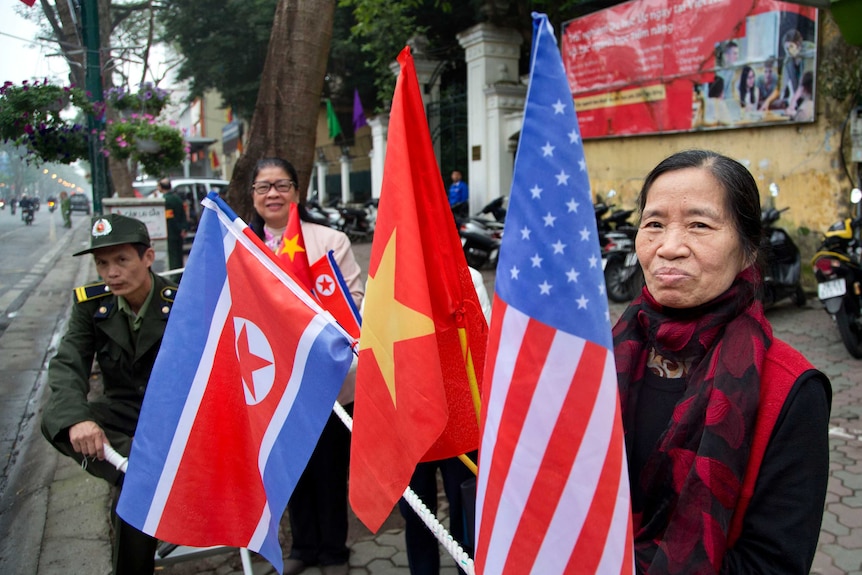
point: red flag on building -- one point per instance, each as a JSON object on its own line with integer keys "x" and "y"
{"x": 29, "y": 2}
{"x": 413, "y": 398}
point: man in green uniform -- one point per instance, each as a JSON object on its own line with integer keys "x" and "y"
{"x": 119, "y": 321}
{"x": 175, "y": 214}
{"x": 66, "y": 209}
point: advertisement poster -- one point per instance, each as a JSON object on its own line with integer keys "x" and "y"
{"x": 653, "y": 66}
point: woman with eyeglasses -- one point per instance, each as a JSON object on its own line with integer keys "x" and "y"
{"x": 318, "y": 506}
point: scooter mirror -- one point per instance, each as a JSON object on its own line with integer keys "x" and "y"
{"x": 855, "y": 195}
{"x": 773, "y": 190}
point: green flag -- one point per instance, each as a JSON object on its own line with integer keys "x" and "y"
{"x": 332, "y": 121}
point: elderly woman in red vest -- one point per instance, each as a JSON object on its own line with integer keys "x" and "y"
{"x": 726, "y": 426}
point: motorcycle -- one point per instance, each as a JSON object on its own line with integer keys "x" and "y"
{"x": 622, "y": 271}
{"x": 783, "y": 277}
{"x": 328, "y": 216}
{"x": 52, "y": 205}
{"x": 2, "y": 204}
{"x": 27, "y": 216}
{"x": 481, "y": 237}
{"x": 839, "y": 275}
{"x": 358, "y": 222}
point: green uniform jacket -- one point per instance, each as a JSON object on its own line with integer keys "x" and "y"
{"x": 175, "y": 213}
{"x": 99, "y": 329}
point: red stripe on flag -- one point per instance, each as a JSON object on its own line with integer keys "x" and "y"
{"x": 563, "y": 446}
{"x": 536, "y": 342}
{"x": 594, "y": 533}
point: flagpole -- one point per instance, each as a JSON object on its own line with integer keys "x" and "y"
{"x": 471, "y": 373}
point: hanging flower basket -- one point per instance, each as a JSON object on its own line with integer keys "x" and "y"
{"x": 149, "y": 99}
{"x": 30, "y": 118}
{"x": 157, "y": 148}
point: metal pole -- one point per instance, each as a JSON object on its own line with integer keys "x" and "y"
{"x": 98, "y": 163}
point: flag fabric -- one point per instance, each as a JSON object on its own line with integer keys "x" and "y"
{"x": 332, "y": 292}
{"x": 552, "y": 488}
{"x": 413, "y": 400}
{"x": 359, "y": 119}
{"x": 332, "y": 121}
{"x": 323, "y": 279}
{"x": 292, "y": 252}
{"x": 247, "y": 375}
{"x": 29, "y": 2}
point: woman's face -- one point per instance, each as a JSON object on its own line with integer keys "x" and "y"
{"x": 687, "y": 244}
{"x": 274, "y": 206}
{"x": 792, "y": 48}
{"x": 749, "y": 78}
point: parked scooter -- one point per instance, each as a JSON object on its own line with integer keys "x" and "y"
{"x": 623, "y": 274}
{"x": 839, "y": 275}
{"x": 481, "y": 237}
{"x": 783, "y": 277}
{"x": 328, "y": 216}
{"x": 358, "y": 222}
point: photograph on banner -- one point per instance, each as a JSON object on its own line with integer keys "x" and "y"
{"x": 658, "y": 66}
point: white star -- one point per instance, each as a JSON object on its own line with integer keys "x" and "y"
{"x": 582, "y": 163}
{"x": 585, "y": 235}
{"x": 549, "y": 220}
{"x": 559, "y": 107}
{"x": 536, "y": 191}
{"x": 537, "y": 261}
{"x": 545, "y": 288}
{"x": 562, "y": 178}
{"x": 514, "y": 272}
{"x": 525, "y": 233}
{"x": 547, "y": 150}
{"x": 602, "y": 288}
{"x": 573, "y": 205}
{"x": 574, "y": 137}
{"x": 559, "y": 247}
{"x": 582, "y": 302}
{"x": 572, "y": 275}
{"x": 593, "y": 261}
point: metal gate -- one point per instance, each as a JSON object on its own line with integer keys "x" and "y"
{"x": 447, "y": 120}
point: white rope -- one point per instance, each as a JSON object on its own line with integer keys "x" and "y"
{"x": 461, "y": 557}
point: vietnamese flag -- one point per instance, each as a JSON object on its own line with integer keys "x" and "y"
{"x": 292, "y": 251}
{"x": 413, "y": 399}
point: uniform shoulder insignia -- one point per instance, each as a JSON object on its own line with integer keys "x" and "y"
{"x": 169, "y": 293}
{"x": 91, "y": 292}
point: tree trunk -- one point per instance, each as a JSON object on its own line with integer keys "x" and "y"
{"x": 288, "y": 103}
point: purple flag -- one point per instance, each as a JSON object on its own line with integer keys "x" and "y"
{"x": 358, "y": 113}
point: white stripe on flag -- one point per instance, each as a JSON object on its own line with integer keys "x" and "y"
{"x": 191, "y": 407}
{"x": 583, "y": 479}
{"x": 544, "y": 410}
{"x": 285, "y": 404}
{"x": 513, "y": 328}
{"x": 619, "y": 534}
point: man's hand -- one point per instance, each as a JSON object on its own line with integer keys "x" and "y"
{"x": 88, "y": 439}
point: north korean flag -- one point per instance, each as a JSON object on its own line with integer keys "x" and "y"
{"x": 232, "y": 414}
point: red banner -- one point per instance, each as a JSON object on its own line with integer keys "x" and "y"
{"x": 650, "y": 66}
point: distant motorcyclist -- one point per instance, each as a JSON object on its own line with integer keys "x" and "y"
{"x": 26, "y": 204}
{"x": 14, "y": 205}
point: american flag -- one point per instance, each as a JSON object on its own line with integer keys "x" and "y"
{"x": 553, "y": 492}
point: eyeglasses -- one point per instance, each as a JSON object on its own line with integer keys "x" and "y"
{"x": 281, "y": 186}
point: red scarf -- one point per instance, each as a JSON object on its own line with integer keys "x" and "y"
{"x": 692, "y": 480}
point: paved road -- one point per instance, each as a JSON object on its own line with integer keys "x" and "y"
{"x": 54, "y": 517}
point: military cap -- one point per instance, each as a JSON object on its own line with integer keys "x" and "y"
{"x": 114, "y": 230}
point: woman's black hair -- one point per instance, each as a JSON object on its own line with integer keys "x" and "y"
{"x": 257, "y": 223}
{"x": 744, "y": 90}
{"x": 741, "y": 194}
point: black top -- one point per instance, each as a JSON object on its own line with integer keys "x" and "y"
{"x": 782, "y": 522}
